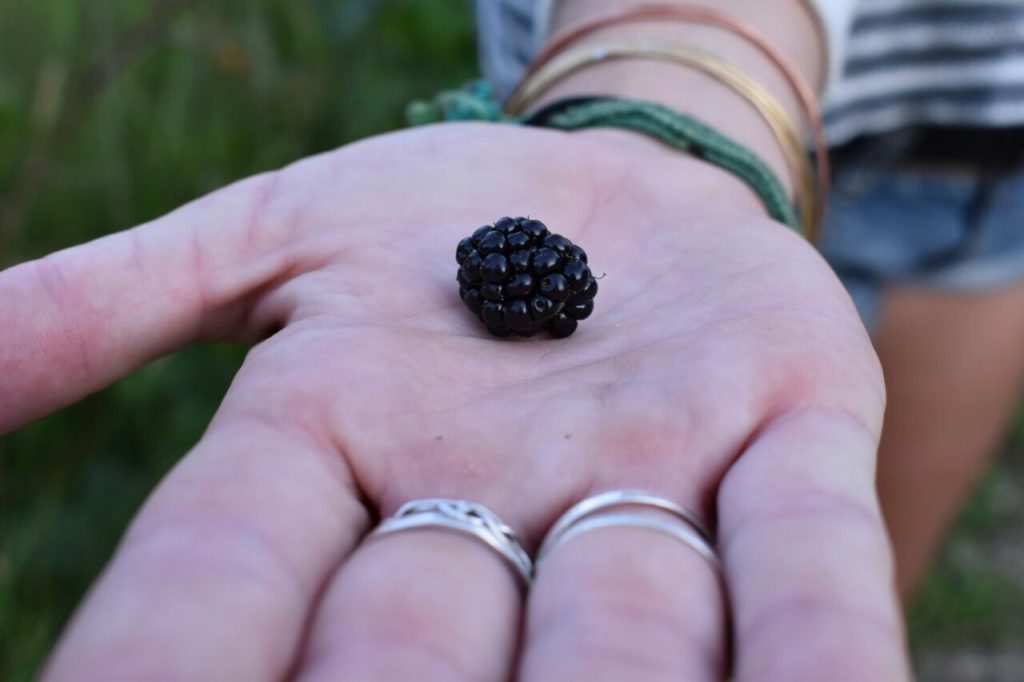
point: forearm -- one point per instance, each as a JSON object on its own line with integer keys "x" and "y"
{"x": 787, "y": 24}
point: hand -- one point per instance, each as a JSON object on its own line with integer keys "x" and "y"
{"x": 724, "y": 368}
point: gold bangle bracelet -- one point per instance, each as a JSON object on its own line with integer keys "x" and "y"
{"x": 548, "y": 8}
{"x": 774, "y": 114}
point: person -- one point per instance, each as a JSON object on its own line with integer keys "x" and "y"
{"x": 924, "y": 117}
{"x": 724, "y": 371}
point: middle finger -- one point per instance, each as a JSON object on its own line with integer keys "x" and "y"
{"x": 421, "y": 604}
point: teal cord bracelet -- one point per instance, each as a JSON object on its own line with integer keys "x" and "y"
{"x": 472, "y": 102}
{"x": 678, "y": 130}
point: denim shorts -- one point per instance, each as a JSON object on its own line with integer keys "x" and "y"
{"x": 951, "y": 228}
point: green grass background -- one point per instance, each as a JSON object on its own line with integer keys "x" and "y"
{"x": 114, "y": 112}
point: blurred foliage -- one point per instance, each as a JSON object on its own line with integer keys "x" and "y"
{"x": 112, "y": 113}
{"x": 976, "y": 606}
{"x": 974, "y": 595}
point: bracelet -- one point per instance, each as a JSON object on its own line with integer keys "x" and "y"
{"x": 678, "y": 130}
{"x": 783, "y": 127}
{"x": 476, "y": 101}
{"x": 545, "y": 11}
{"x": 703, "y": 15}
{"x": 813, "y": 8}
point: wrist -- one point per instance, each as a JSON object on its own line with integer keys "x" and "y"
{"x": 680, "y": 172}
{"x": 684, "y": 88}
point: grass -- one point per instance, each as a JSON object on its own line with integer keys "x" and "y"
{"x": 973, "y": 598}
{"x": 114, "y": 112}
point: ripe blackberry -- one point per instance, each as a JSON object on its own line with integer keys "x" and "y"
{"x": 518, "y": 278}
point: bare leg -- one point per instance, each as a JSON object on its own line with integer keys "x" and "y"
{"x": 953, "y": 365}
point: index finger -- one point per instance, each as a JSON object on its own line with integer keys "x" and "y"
{"x": 806, "y": 556}
{"x": 217, "y": 576}
{"x": 80, "y": 318}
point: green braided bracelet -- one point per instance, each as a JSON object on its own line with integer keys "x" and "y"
{"x": 679, "y": 131}
{"x": 475, "y": 102}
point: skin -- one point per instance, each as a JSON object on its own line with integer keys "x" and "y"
{"x": 952, "y": 393}
{"x": 951, "y": 390}
{"x": 724, "y": 368}
{"x": 786, "y": 24}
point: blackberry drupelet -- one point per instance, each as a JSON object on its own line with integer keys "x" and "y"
{"x": 519, "y": 278}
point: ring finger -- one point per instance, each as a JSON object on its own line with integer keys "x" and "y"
{"x": 625, "y": 601}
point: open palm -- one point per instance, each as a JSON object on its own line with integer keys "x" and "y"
{"x": 724, "y": 368}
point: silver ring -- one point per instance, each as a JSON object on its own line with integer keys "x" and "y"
{"x": 635, "y": 519}
{"x": 465, "y": 517}
{"x": 584, "y": 516}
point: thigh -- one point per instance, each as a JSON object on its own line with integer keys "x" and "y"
{"x": 934, "y": 260}
{"x": 954, "y": 364}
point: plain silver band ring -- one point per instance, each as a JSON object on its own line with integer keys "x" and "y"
{"x": 619, "y": 498}
{"x": 632, "y": 519}
{"x": 463, "y": 517}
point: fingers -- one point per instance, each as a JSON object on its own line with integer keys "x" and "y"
{"x": 806, "y": 556}
{"x": 78, "y": 319}
{"x": 215, "y": 578}
{"x": 419, "y": 605}
{"x": 622, "y": 603}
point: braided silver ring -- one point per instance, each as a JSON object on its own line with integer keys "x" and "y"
{"x": 464, "y": 517}
{"x": 628, "y": 505}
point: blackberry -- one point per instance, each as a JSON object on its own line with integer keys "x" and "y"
{"x": 519, "y": 278}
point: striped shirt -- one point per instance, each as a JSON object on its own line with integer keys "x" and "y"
{"x": 896, "y": 63}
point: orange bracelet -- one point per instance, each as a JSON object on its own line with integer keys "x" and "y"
{"x": 804, "y": 94}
